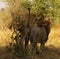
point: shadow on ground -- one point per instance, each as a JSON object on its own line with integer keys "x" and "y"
{"x": 49, "y": 52}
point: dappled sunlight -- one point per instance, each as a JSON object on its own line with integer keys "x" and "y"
{"x": 5, "y": 35}
{"x": 18, "y": 19}
{"x": 54, "y": 37}
{"x": 51, "y": 50}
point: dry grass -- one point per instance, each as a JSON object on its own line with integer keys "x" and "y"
{"x": 51, "y": 51}
{"x": 5, "y": 35}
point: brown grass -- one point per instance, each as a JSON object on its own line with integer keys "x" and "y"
{"x": 51, "y": 51}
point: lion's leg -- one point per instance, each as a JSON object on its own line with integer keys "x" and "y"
{"x": 26, "y": 43}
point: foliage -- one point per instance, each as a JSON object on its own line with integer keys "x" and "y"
{"x": 48, "y": 7}
{"x": 18, "y": 8}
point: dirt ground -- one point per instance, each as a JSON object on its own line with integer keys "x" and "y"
{"x": 51, "y": 50}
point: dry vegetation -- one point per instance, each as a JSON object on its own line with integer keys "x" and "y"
{"x": 51, "y": 51}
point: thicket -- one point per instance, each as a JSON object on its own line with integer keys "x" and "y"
{"x": 19, "y": 12}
